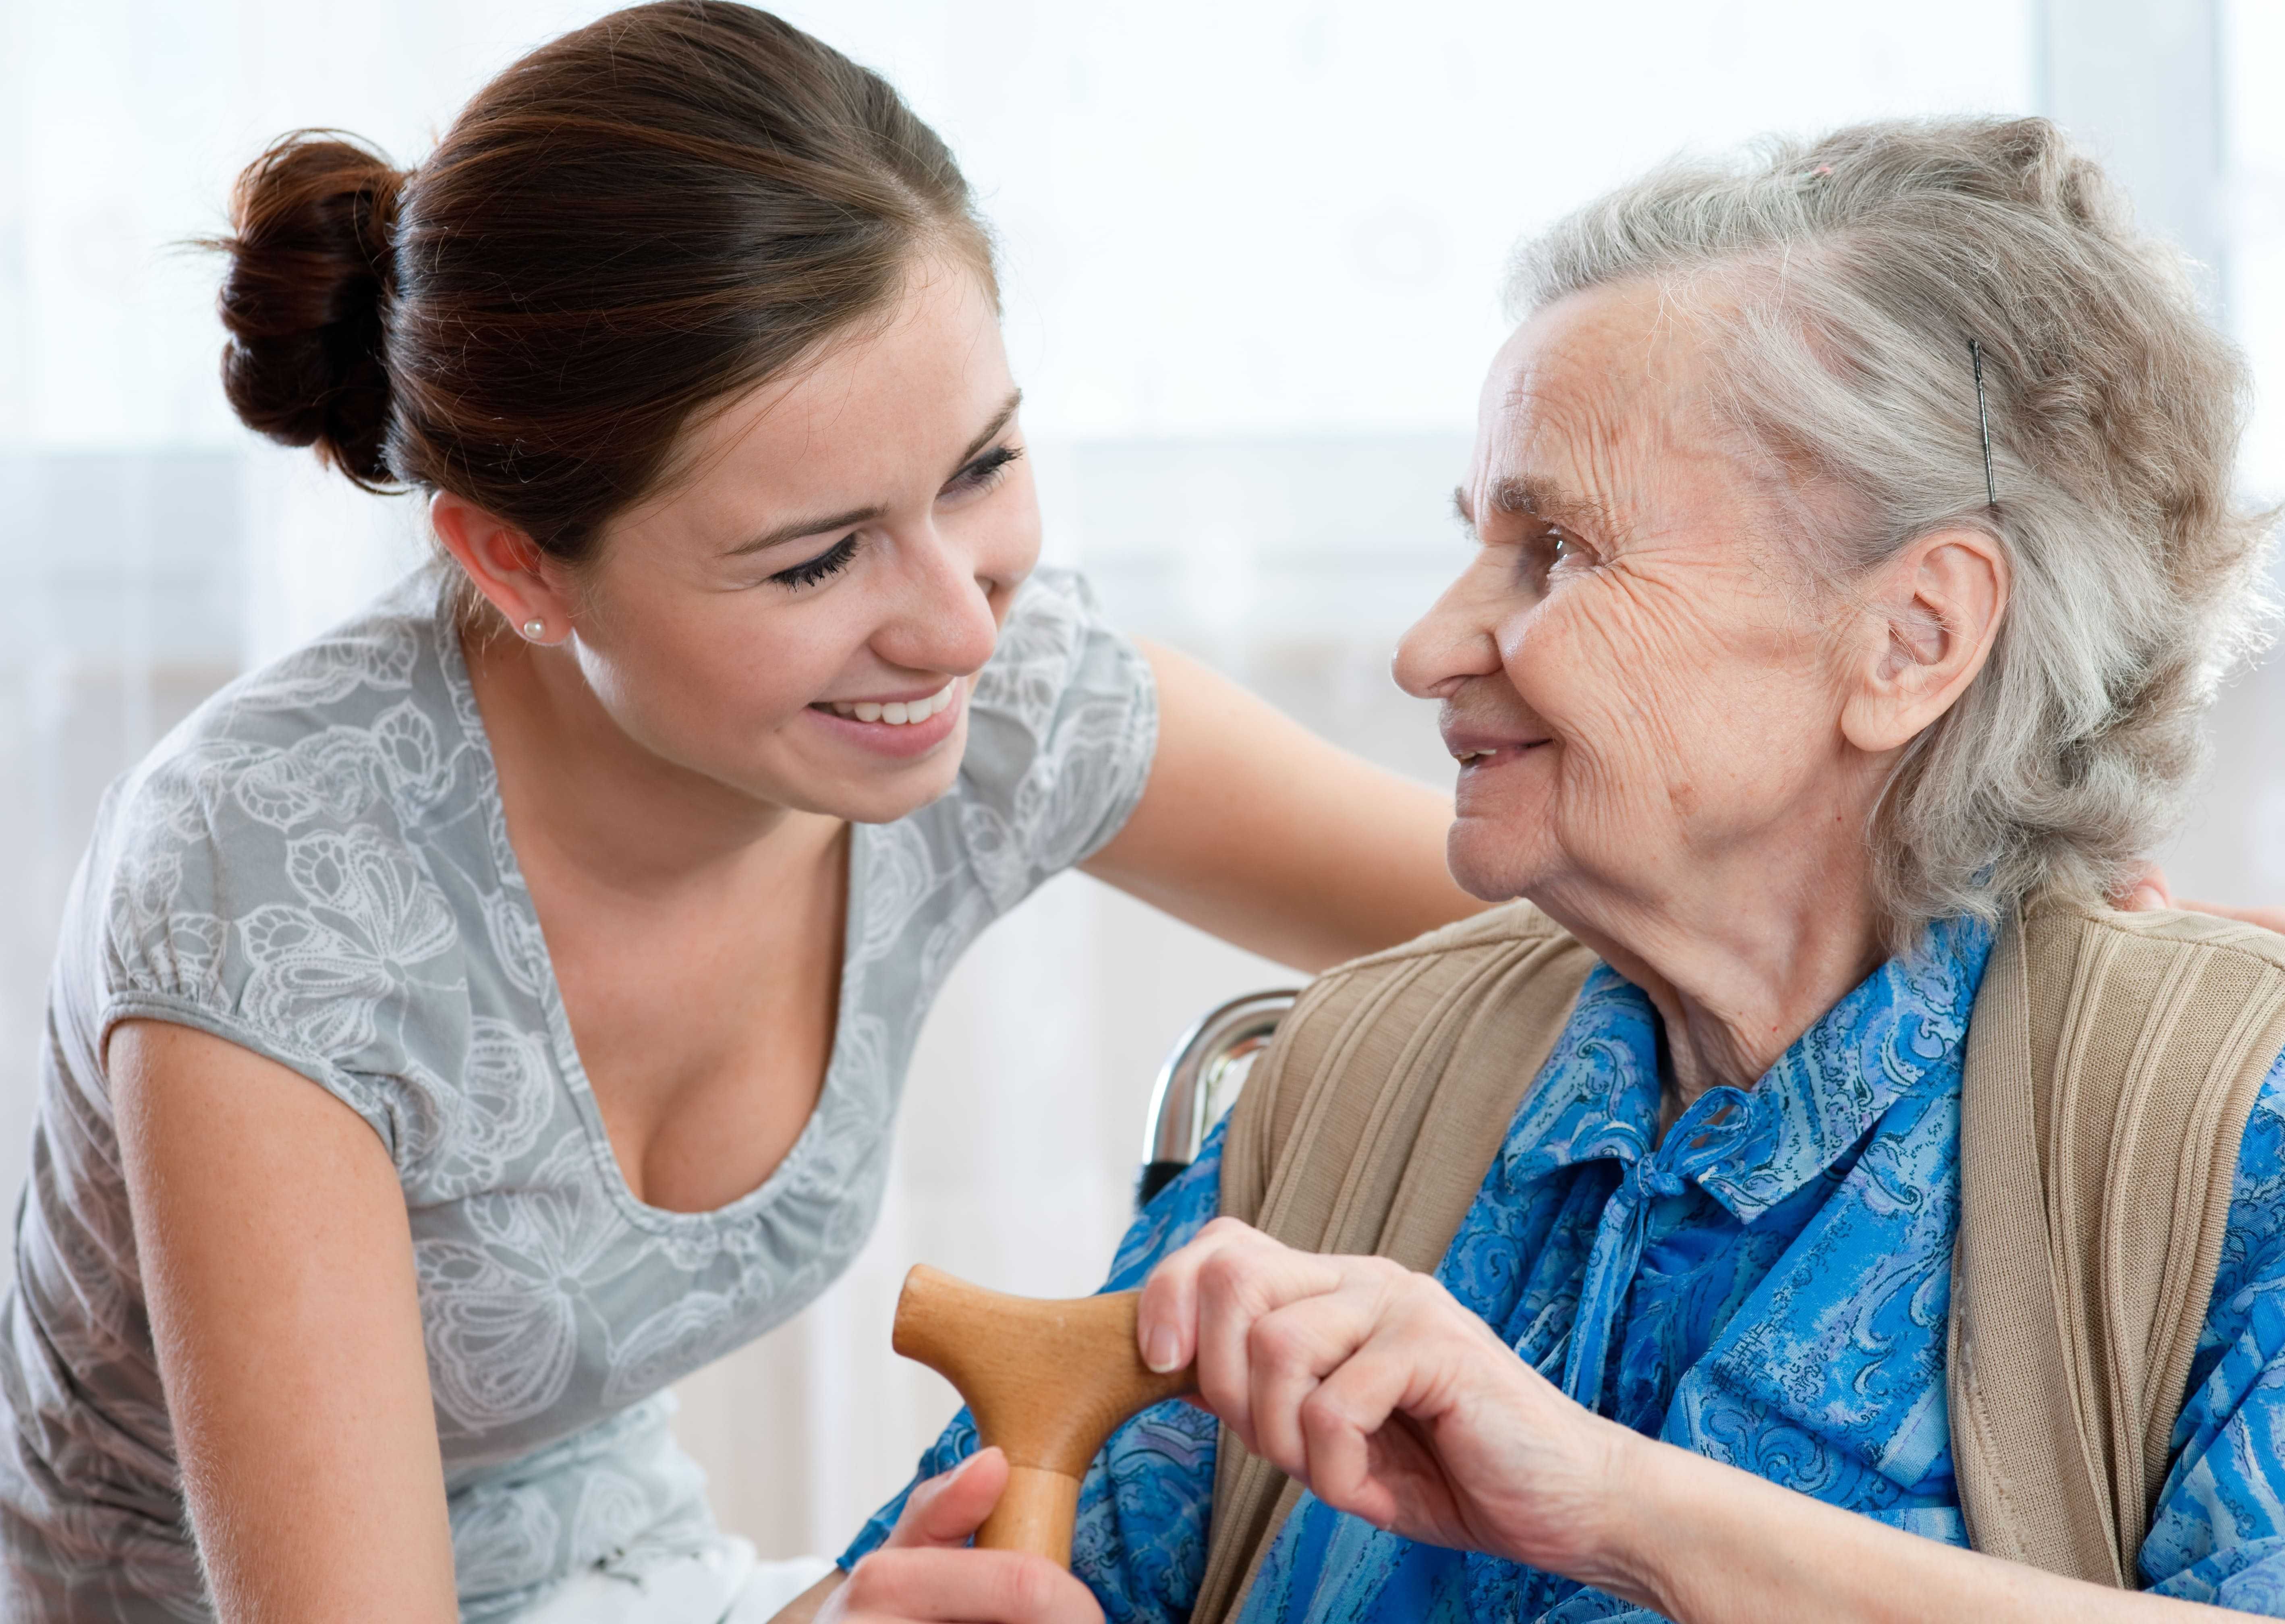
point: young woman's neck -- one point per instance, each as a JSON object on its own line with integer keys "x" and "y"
{"x": 583, "y": 797}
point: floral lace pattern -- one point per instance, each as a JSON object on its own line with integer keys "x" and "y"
{"x": 316, "y": 866}
{"x": 1770, "y": 1286}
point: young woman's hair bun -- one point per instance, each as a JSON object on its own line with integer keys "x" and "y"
{"x": 305, "y": 296}
{"x": 670, "y": 206}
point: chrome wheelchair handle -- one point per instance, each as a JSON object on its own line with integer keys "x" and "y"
{"x": 1201, "y": 1080}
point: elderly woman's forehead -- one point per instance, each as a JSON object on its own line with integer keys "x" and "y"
{"x": 1594, "y": 379}
{"x": 1603, "y": 349}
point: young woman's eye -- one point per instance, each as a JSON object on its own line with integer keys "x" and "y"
{"x": 986, "y": 470}
{"x": 832, "y": 562}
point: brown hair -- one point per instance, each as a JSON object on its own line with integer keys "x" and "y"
{"x": 669, "y": 206}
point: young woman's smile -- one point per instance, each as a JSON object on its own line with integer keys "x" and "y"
{"x": 903, "y": 725}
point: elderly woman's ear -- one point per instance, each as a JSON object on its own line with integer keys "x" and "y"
{"x": 1929, "y": 617}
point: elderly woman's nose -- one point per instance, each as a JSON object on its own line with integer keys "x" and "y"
{"x": 1452, "y": 642}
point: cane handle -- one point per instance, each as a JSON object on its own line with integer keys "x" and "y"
{"x": 1048, "y": 1382}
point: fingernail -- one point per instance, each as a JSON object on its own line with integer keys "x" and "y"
{"x": 1159, "y": 1350}
{"x": 2147, "y": 898}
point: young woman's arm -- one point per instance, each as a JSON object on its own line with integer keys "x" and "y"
{"x": 1254, "y": 828}
{"x": 278, "y": 1264}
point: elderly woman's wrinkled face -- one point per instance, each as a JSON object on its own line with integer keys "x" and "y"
{"x": 1635, "y": 685}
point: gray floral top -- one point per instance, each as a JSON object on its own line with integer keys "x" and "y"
{"x": 315, "y": 866}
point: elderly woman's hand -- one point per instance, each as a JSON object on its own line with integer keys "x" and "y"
{"x": 1387, "y": 1399}
{"x": 1370, "y": 1385}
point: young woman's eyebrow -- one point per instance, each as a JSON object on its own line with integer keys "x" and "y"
{"x": 794, "y": 530}
{"x": 1000, "y": 420}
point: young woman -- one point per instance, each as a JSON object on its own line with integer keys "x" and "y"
{"x": 597, "y": 879}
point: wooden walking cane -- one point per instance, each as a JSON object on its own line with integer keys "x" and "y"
{"x": 1048, "y": 1382}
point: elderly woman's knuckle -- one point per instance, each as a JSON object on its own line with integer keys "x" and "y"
{"x": 1426, "y": 1295}
{"x": 1394, "y": 1287}
{"x": 1393, "y": 1277}
{"x": 1224, "y": 1274}
{"x": 1275, "y": 1341}
{"x": 1324, "y": 1411}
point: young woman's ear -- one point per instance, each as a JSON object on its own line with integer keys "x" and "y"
{"x": 507, "y": 566}
{"x": 1932, "y": 615}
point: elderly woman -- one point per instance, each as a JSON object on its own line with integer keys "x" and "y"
{"x": 1815, "y": 726}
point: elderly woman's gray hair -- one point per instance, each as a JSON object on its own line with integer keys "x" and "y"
{"x": 1842, "y": 282}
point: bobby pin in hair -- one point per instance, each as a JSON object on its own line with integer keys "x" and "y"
{"x": 1983, "y": 424}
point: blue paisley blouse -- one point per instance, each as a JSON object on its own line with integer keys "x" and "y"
{"x": 1768, "y": 1286}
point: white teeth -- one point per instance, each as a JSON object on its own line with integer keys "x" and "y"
{"x": 901, "y": 712}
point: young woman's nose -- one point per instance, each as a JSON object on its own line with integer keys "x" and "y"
{"x": 945, "y": 621}
{"x": 1455, "y": 640}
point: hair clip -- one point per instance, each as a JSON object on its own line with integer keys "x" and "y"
{"x": 1983, "y": 424}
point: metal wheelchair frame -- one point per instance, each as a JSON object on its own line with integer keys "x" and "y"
{"x": 1201, "y": 1080}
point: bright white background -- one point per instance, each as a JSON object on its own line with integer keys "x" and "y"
{"x": 1252, "y": 249}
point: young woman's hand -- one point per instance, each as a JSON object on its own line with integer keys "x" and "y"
{"x": 2150, "y": 891}
{"x": 925, "y": 1570}
{"x": 1370, "y": 1385}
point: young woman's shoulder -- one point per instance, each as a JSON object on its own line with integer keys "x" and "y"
{"x": 268, "y": 872}
{"x": 1061, "y": 725}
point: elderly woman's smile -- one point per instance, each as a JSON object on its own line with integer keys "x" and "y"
{"x": 1674, "y": 726}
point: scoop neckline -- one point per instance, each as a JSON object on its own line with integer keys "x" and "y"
{"x": 571, "y": 1070}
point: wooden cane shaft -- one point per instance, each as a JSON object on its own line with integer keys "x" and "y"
{"x": 1035, "y": 1513}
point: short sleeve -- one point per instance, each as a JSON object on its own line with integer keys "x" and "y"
{"x": 253, "y": 881}
{"x": 1140, "y": 1540}
{"x": 2219, "y": 1536}
{"x": 1062, "y": 728}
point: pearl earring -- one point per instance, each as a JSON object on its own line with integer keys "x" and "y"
{"x": 535, "y": 628}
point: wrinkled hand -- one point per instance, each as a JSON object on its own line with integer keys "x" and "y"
{"x": 925, "y": 1570}
{"x": 1370, "y": 1384}
{"x": 2150, "y": 891}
